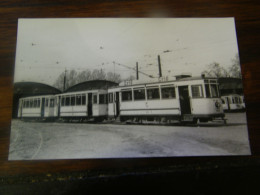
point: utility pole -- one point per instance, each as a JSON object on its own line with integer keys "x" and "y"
{"x": 159, "y": 64}
{"x": 137, "y": 76}
{"x": 64, "y": 81}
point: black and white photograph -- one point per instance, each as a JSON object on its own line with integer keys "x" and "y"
{"x": 94, "y": 88}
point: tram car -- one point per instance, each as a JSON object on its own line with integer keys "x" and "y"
{"x": 91, "y": 104}
{"x": 185, "y": 100}
{"x": 233, "y": 102}
{"x": 37, "y": 107}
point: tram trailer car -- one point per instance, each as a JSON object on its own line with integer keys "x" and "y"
{"x": 37, "y": 107}
{"x": 185, "y": 100}
{"x": 91, "y": 104}
{"x": 233, "y": 102}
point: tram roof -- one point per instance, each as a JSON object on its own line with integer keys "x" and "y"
{"x": 156, "y": 81}
{"x": 26, "y": 89}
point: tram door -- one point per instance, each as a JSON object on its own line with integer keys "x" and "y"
{"x": 117, "y": 104}
{"x": 90, "y": 112}
{"x": 43, "y": 106}
{"x": 184, "y": 100}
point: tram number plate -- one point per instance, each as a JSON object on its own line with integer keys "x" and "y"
{"x": 187, "y": 117}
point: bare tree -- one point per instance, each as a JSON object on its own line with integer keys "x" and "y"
{"x": 84, "y": 76}
{"x": 235, "y": 70}
{"x": 114, "y": 77}
{"x": 215, "y": 70}
{"x": 59, "y": 83}
{"x": 98, "y": 75}
{"x": 73, "y": 78}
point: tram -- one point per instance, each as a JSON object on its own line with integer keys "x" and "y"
{"x": 233, "y": 102}
{"x": 192, "y": 99}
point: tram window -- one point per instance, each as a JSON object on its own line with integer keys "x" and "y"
{"x": 51, "y": 103}
{"x": 196, "y": 91}
{"x": 236, "y": 100}
{"x": 63, "y": 101}
{"x": 72, "y": 101}
{"x": 67, "y": 101}
{"x": 223, "y": 101}
{"x": 139, "y": 94}
{"x": 78, "y": 100}
{"x": 47, "y": 103}
{"x": 83, "y": 99}
{"x": 24, "y": 104}
{"x": 31, "y": 103}
{"x": 110, "y": 97}
{"x": 38, "y": 103}
{"x": 168, "y": 92}
{"x": 27, "y": 104}
{"x": 102, "y": 98}
{"x": 207, "y": 90}
{"x": 95, "y": 99}
{"x": 126, "y": 95}
{"x": 35, "y": 103}
{"x": 241, "y": 100}
{"x": 211, "y": 90}
{"x": 153, "y": 94}
{"x": 214, "y": 90}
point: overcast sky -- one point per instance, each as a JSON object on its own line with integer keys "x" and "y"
{"x": 46, "y": 47}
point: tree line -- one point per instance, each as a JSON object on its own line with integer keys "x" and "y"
{"x": 73, "y": 77}
{"x": 215, "y": 70}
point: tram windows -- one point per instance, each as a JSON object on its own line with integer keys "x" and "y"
{"x": 211, "y": 90}
{"x": 51, "y": 103}
{"x": 83, "y": 99}
{"x": 153, "y": 93}
{"x": 35, "y": 103}
{"x": 214, "y": 90}
{"x": 235, "y": 100}
{"x": 78, "y": 100}
{"x": 31, "y": 103}
{"x": 72, "y": 101}
{"x": 102, "y": 99}
{"x": 196, "y": 91}
{"x": 27, "y": 104}
{"x": 110, "y": 98}
{"x": 63, "y": 101}
{"x": 139, "y": 94}
{"x": 207, "y": 90}
{"x": 47, "y": 103}
{"x": 67, "y": 100}
{"x": 95, "y": 99}
{"x": 126, "y": 95}
{"x": 38, "y": 103}
{"x": 168, "y": 92}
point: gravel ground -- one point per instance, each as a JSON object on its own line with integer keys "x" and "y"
{"x": 42, "y": 140}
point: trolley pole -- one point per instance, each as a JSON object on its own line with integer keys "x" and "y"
{"x": 137, "y": 76}
{"x": 159, "y": 64}
{"x": 64, "y": 81}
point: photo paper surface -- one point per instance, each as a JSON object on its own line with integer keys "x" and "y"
{"x": 87, "y": 88}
